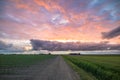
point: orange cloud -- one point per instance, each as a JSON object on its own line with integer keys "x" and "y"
{"x": 50, "y": 5}
{"x": 22, "y": 5}
{"x": 43, "y": 3}
{"x": 83, "y": 25}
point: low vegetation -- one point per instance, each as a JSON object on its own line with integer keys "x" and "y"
{"x": 101, "y": 67}
{"x": 20, "y": 60}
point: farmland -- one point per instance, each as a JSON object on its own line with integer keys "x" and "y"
{"x": 87, "y": 67}
{"x": 14, "y": 61}
{"x": 96, "y": 67}
{"x": 35, "y": 67}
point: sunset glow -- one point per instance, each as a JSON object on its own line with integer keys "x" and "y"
{"x": 60, "y": 20}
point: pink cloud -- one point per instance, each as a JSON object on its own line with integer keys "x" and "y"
{"x": 36, "y": 19}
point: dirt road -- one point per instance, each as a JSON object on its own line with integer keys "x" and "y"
{"x": 52, "y": 69}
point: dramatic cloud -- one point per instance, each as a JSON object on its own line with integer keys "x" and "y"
{"x": 77, "y": 20}
{"x": 15, "y": 45}
{"x": 111, "y": 34}
{"x": 5, "y": 46}
{"x": 53, "y": 46}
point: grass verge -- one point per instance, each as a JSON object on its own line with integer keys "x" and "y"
{"x": 97, "y": 66}
{"x": 83, "y": 74}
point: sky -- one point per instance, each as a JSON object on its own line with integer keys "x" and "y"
{"x": 61, "y": 20}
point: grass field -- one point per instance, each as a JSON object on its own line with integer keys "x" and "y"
{"x": 96, "y": 67}
{"x": 19, "y": 60}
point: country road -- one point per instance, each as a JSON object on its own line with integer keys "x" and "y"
{"x": 52, "y": 69}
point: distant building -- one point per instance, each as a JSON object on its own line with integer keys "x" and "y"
{"x": 74, "y": 53}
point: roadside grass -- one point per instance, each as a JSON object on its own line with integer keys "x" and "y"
{"x": 83, "y": 74}
{"x": 19, "y": 60}
{"x": 102, "y": 67}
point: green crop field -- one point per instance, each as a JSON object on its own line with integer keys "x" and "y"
{"x": 19, "y": 60}
{"x": 96, "y": 67}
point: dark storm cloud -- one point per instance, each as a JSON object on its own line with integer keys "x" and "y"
{"x": 51, "y": 45}
{"x": 111, "y": 34}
